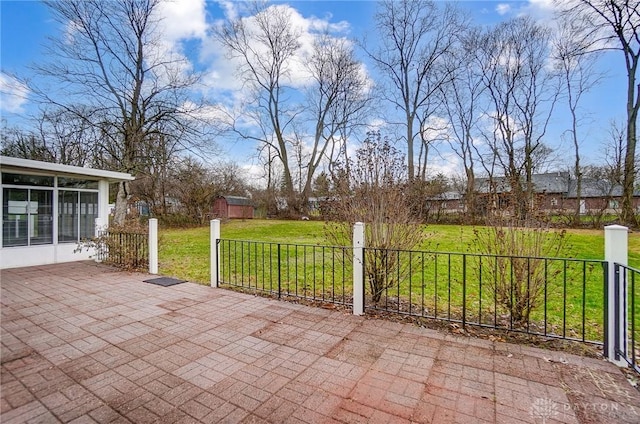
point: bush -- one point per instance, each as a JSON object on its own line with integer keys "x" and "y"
{"x": 519, "y": 275}
{"x": 371, "y": 189}
{"x": 124, "y": 247}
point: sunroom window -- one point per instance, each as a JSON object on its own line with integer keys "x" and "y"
{"x": 77, "y": 213}
{"x": 27, "y": 217}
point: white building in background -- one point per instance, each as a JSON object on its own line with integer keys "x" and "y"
{"x": 47, "y": 208}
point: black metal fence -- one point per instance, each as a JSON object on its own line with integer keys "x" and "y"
{"x": 552, "y": 297}
{"x": 125, "y": 249}
{"x": 315, "y": 273}
{"x": 625, "y": 288}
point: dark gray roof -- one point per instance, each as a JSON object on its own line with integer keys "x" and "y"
{"x": 592, "y": 187}
{"x": 552, "y": 182}
{"x": 447, "y": 195}
{"x": 560, "y": 183}
{"x": 237, "y": 200}
{"x": 595, "y": 188}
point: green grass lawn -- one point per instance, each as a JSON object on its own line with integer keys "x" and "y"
{"x": 184, "y": 253}
{"x": 435, "y": 283}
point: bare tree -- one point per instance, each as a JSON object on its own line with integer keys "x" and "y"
{"x": 154, "y": 177}
{"x": 338, "y": 101}
{"x": 267, "y": 48}
{"x": 110, "y": 71}
{"x": 57, "y": 136}
{"x": 75, "y": 140}
{"x": 615, "y": 25}
{"x": 613, "y": 152}
{"x": 522, "y": 93}
{"x": 195, "y": 186}
{"x": 578, "y": 77}
{"x": 375, "y": 195}
{"x": 415, "y": 37}
{"x": 18, "y": 143}
{"x": 462, "y": 100}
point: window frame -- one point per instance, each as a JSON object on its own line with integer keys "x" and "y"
{"x": 30, "y": 225}
{"x": 78, "y": 215}
{"x": 56, "y": 206}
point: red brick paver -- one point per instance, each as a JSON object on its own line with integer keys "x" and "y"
{"x": 84, "y": 343}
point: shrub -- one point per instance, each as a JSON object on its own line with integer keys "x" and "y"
{"x": 126, "y": 247}
{"x": 519, "y": 275}
{"x": 371, "y": 189}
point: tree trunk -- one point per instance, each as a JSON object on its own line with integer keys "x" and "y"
{"x": 122, "y": 199}
{"x": 628, "y": 213}
{"x": 470, "y": 196}
{"x": 410, "y": 165}
{"x": 577, "y": 170}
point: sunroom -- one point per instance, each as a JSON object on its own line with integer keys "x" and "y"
{"x": 47, "y": 208}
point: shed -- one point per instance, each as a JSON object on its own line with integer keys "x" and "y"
{"x": 48, "y": 208}
{"x": 233, "y": 207}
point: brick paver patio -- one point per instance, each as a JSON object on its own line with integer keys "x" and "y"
{"x": 84, "y": 343}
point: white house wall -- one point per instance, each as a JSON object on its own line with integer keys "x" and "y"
{"x": 103, "y": 203}
{"x": 20, "y": 256}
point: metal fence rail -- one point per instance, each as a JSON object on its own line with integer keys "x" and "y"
{"x": 123, "y": 249}
{"x": 552, "y": 297}
{"x": 582, "y": 300}
{"x": 625, "y": 287}
{"x": 316, "y": 273}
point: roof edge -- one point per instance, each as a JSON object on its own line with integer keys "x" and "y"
{"x": 65, "y": 169}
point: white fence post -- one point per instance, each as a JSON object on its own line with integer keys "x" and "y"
{"x": 358, "y": 268}
{"x": 615, "y": 251}
{"x": 214, "y": 251}
{"x": 99, "y": 229}
{"x": 153, "y": 246}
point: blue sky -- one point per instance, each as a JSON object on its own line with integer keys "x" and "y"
{"x": 25, "y": 26}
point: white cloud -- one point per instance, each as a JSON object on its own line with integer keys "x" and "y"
{"x": 178, "y": 21}
{"x": 541, "y": 10}
{"x": 436, "y": 128}
{"x": 13, "y": 94}
{"x": 376, "y": 124}
{"x": 503, "y": 8}
{"x": 544, "y": 5}
{"x": 254, "y": 175}
{"x": 217, "y": 114}
{"x": 448, "y": 164}
{"x": 224, "y": 71}
{"x": 183, "y": 19}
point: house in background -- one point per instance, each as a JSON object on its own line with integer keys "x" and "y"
{"x": 555, "y": 192}
{"x": 233, "y": 207}
{"x": 47, "y": 208}
{"x": 599, "y": 196}
{"x": 550, "y": 188}
{"x": 449, "y": 202}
